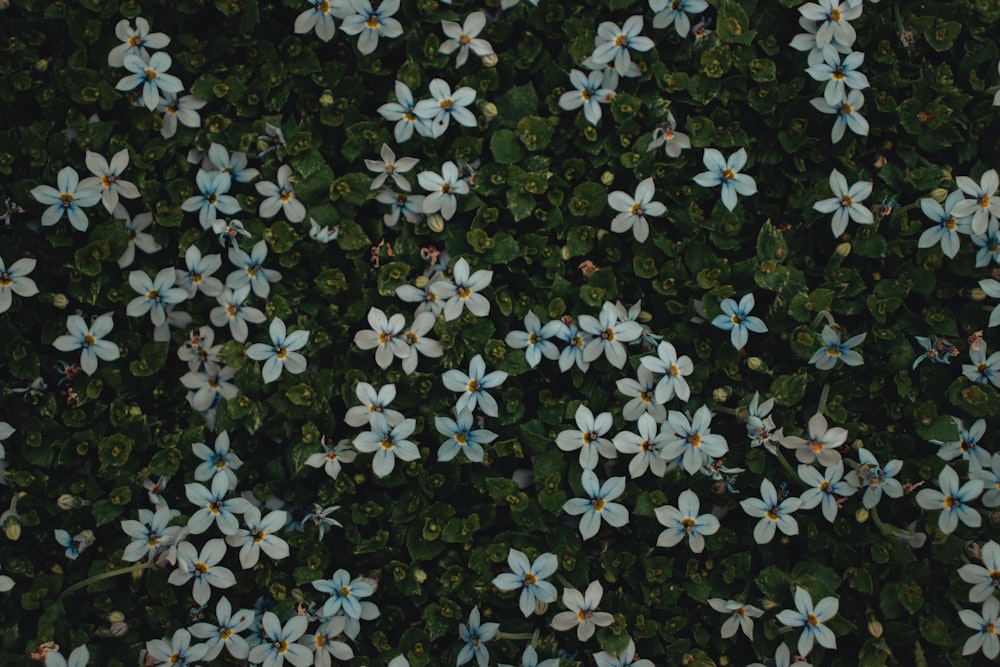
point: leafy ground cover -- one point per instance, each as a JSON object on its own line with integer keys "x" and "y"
{"x": 435, "y": 333}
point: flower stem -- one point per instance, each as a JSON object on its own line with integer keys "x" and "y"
{"x": 515, "y": 635}
{"x": 822, "y": 399}
{"x": 131, "y": 569}
{"x": 788, "y": 467}
{"x": 824, "y": 315}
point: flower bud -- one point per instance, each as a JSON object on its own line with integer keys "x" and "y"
{"x": 12, "y": 528}
{"x": 756, "y": 364}
{"x": 720, "y": 395}
{"x": 644, "y": 317}
{"x": 861, "y": 515}
{"x": 42, "y": 64}
{"x": 118, "y": 629}
{"x": 874, "y": 627}
{"x": 565, "y": 252}
{"x": 541, "y": 607}
{"x": 421, "y": 282}
{"x": 977, "y": 294}
{"x": 420, "y": 575}
{"x": 60, "y": 301}
{"x": 490, "y": 60}
{"x": 489, "y": 110}
{"x": 116, "y": 617}
{"x": 939, "y": 195}
{"x": 857, "y": 444}
{"x": 68, "y": 502}
{"x": 326, "y": 99}
{"x": 607, "y": 178}
{"x": 843, "y": 249}
{"x": 435, "y": 222}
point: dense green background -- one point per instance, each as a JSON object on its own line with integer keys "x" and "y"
{"x": 436, "y": 534}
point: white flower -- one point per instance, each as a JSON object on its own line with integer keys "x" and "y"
{"x": 280, "y": 197}
{"x": 464, "y": 291}
{"x": 608, "y": 334}
{"x": 589, "y": 439}
{"x": 443, "y": 187}
{"x": 107, "y": 178}
{"x": 137, "y": 238}
{"x": 134, "y": 41}
{"x": 633, "y": 210}
{"x": 987, "y": 638}
{"x": 208, "y": 385}
{"x": 416, "y": 339}
{"x": 198, "y": 276}
{"x": 259, "y": 536}
{"x": 331, "y": 456}
{"x": 615, "y": 43}
{"x": 155, "y": 294}
{"x": 684, "y": 521}
{"x": 204, "y": 568}
{"x": 590, "y": 93}
{"x": 811, "y": 620}
{"x": 320, "y": 17}
{"x": 465, "y": 38}
{"x": 772, "y": 512}
{"x": 671, "y": 370}
{"x": 390, "y": 166}
{"x": 642, "y": 393}
{"x": 821, "y": 445}
{"x": 741, "y": 616}
{"x": 847, "y": 115}
{"x": 385, "y": 335}
{"x": 582, "y": 612}
{"x": 370, "y": 23}
{"x": 15, "y": 280}
{"x": 846, "y": 203}
{"x": 232, "y": 311}
{"x": 184, "y": 109}
{"x": 281, "y": 354}
{"x": 981, "y": 204}
{"x": 445, "y": 106}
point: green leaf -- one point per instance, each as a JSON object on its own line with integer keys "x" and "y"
{"x": 941, "y": 428}
{"x": 352, "y": 236}
{"x": 771, "y": 243}
{"x": 534, "y": 132}
{"x": 517, "y": 103}
{"x": 520, "y": 204}
{"x": 301, "y": 394}
{"x": 152, "y": 357}
{"x": 505, "y": 147}
{"x": 589, "y": 200}
{"x": 790, "y": 389}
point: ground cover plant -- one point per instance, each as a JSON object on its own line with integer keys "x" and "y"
{"x": 427, "y": 333}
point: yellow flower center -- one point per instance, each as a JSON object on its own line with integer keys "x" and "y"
{"x": 135, "y": 41}
{"x": 372, "y": 22}
{"x": 694, "y": 439}
{"x": 636, "y": 209}
{"x": 446, "y": 104}
{"x": 461, "y": 439}
{"x": 845, "y": 109}
{"x": 464, "y": 292}
{"x": 200, "y": 568}
{"x": 728, "y": 174}
{"x": 772, "y": 515}
{"x": 688, "y": 524}
{"x": 281, "y": 352}
{"x": 984, "y": 201}
{"x": 465, "y": 39}
{"x": 153, "y": 295}
{"x": 474, "y": 386}
{"x": 67, "y": 199}
{"x": 811, "y": 618}
{"x": 386, "y": 444}
{"x": 846, "y": 201}
{"x": 673, "y": 370}
{"x": 598, "y": 504}
{"x": 231, "y": 311}
{"x": 345, "y": 591}
{"x": 586, "y": 94}
{"x": 621, "y": 41}
{"x": 384, "y": 338}
{"x": 530, "y": 579}
{"x": 323, "y": 7}
{"x": 88, "y": 339}
{"x": 285, "y": 195}
{"x": 225, "y": 633}
{"x": 950, "y": 223}
{"x": 150, "y": 74}
{"x": 835, "y": 15}
{"x": 949, "y": 502}
{"x": 107, "y": 181}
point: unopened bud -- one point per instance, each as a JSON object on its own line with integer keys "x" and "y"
{"x": 435, "y": 222}
{"x": 607, "y": 178}
{"x": 420, "y": 575}
{"x": 41, "y": 64}
{"x": 857, "y": 444}
{"x": 118, "y": 629}
{"x": 116, "y": 617}
{"x": 720, "y": 395}
{"x": 644, "y": 316}
{"x": 977, "y": 294}
{"x": 769, "y": 605}
{"x": 756, "y": 364}
{"x": 326, "y": 99}
{"x": 939, "y": 195}
{"x": 843, "y": 249}
{"x": 874, "y": 628}
{"x": 541, "y": 607}
{"x": 861, "y": 515}
{"x": 565, "y": 252}
{"x": 12, "y": 528}
{"x": 489, "y": 110}
{"x": 421, "y": 282}
{"x": 490, "y": 60}
{"x": 60, "y": 301}
{"x": 68, "y": 502}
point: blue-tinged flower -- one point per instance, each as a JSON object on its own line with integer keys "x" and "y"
{"x": 345, "y": 593}
{"x": 462, "y": 438}
{"x": 824, "y": 489}
{"x": 626, "y": 658}
{"x": 155, "y": 294}
{"x": 982, "y": 202}
{"x": 597, "y": 505}
{"x": 214, "y": 507}
{"x": 370, "y": 23}
{"x": 846, "y": 203}
{"x": 833, "y": 16}
{"x": 953, "y": 501}
{"x": 183, "y": 109}
{"x": 385, "y": 335}
{"x": 475, "y": 637}
{"x": 325, "y": 645}
{"x": 225, "y": 632}
{"x": 390, "y": 166}
{"x": 281, "y": 354}
{"x": 213, "y": 199}
{"x": 773, "y": 513}
{"x": 741, "y": 616}
{"x": 320, "y": 517}
{"x": 607, "y": 334}
{"x": 320, "y": 17}
{"x": 373, "y": 402}
{"x": 280, "y": 196}
{"x": 259, "y": 535}
{"x": 418, "y": 343}
{"x": 210, "y": 384}
{"x": 694, "y": 440}
{"x": 726, "y": 172}
{"x": 948, "y": 226}
{"x": 647, "y": 446}
{"x": 737, "y": 320}
{"x": 530, "y": 657}
{"x": 179, "y": 652}
{"x": 986, "y": 624}
{"x": 991, "y": 288}
{"x": 234, "y": 165}
{"x": 445, "y": 106}
{"x": 150, "y": 534}
{"x": 474, "y": 385}
{"x": 535, "y": 339}
{"x": 465, "y": 38}
{"x": 402, "y": 111}
{"x": 589, "y": 439}
{"x": 204, "y": 568}
{"x": 134, "y": 41}
{"x": 985, "y": 580}
{"x": 666, "y": 135}
{"x": 675, "y": 13}
{"x": 331, "y": 457}
{"x": 811, "y": 620}
{"x": 991, "y": 481}
{"x": 806, "y": 41}
{"x": 79, "y": 657}
{"x": 218, "y": 461}
{"x": 88, "y": 339}
{"x": 280, "y": 643}
{"x": 70, "y": 198}
{"x": 641, "y": 391}
{"x": 939, "y": 351}
{"x": 783, "y": 658}
{"x": 107, "y": 178}
{"x": 443, "y": 188}
{"x": 847, "y": 115}
{"x": 614, "y": 43}
{"x": 988, "y": 243}
{"x": 589, "y": 92}
{"x": 253, "y": 272}
{"x": 198, "y": 276}
{"x": 822, "y": 443}
{"x": 684, "y": 521}
{"x": 76, "y": 544}
{"x": 875, "y": 479}
{"x": 529, "y": 578}
{"x": 14, "y": 280}
{"x": 411, "y": 207}
{"x": 632, "y": 211}
{"x": 839, "y": 75}
{"x": 388, "y": 443}
{"x": 833, "y": 349}
{"x": 152, "y": 76}
{"x": 671, "y": 370}
{"x": 983, "y": 369}
{"x": 137, "y": 236}
{"x": 576, "y": 341}
{"x": 967, "y": 446}
{"x": 581, "y": 608}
